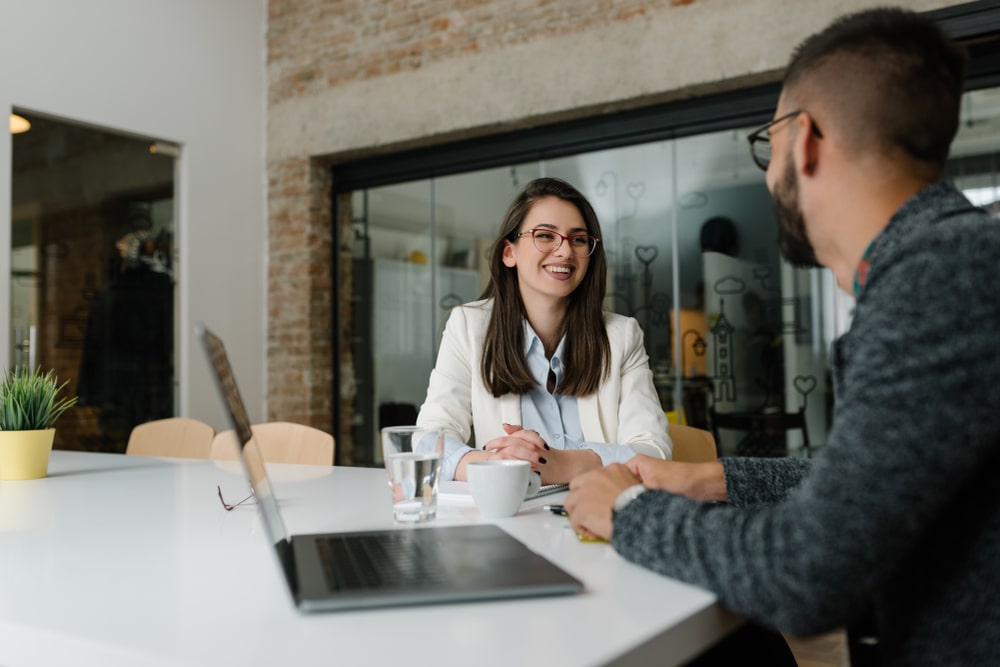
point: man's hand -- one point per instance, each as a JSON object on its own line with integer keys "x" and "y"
{"x": 701, "y": 481}
{"x": 591, "y": 497}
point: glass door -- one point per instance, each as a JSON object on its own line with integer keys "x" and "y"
{"x": 92, "y": 274}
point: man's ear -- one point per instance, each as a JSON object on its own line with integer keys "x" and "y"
{"x": 508, "y": 254}
{"x": 806, "y": 146}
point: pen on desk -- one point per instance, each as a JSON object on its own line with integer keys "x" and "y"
{"x": 557, "y": 509}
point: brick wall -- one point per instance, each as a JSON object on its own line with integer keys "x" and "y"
{"x": 299, "y": 341}
{"x": 315, "y": 45}
{"x": 349, "y": 78}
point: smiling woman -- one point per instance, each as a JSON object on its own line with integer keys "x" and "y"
{"x": 548, "y": 270}
{"x": 537, "y": 366}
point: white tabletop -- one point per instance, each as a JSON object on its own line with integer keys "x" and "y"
{"x": 128, "y": 560}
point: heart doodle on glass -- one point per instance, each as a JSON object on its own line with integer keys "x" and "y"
{"x": 646, "y": 253}
{"x": 804, "y": 384}
{"x": 636, "y": 190}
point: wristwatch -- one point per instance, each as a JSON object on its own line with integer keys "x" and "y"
{"x": 627, "y": 496}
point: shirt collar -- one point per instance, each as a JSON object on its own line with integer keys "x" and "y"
{"x": 531, "y": 339}
{"x": 928, "y": 206}
{"x": 861, "y": 272}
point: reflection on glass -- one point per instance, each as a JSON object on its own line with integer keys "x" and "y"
{"x": 92, "y": 275}
{"x": 691, "y": 243}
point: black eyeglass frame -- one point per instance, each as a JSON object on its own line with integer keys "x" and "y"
{"x": 762, "y": 135}
{"x": 592, "y": 241}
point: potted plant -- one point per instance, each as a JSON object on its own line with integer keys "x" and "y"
{"x": 28, "y": 410}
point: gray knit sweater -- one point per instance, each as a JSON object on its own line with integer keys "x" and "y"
{"x": 901, "y": 507}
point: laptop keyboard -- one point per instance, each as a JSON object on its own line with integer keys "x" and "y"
{"x": 359, "y": 561}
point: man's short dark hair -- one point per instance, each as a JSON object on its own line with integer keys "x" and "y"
{"x": 889, "y": 78}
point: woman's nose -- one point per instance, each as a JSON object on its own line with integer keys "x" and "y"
{"x": 563, "y": 250}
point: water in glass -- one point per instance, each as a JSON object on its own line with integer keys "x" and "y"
{"x": 413, "y": 461}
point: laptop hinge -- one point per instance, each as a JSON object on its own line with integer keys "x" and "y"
{"x": 286, "y": 557}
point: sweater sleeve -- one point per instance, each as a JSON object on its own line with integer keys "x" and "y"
{"x": 914, "y": 427}
{"x": 753, "y": 481}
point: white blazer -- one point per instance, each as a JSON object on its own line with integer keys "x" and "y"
{"x": 625, "y": 410}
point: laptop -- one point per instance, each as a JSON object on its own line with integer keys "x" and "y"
{"x": 389, "y": 567}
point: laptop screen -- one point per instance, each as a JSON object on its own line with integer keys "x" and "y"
{"x": 253, "y": 462}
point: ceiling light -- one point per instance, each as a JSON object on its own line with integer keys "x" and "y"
{"x": 165, "y": 148}
{"x": 18, "y": 124}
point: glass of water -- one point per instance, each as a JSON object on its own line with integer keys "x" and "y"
{"x": 413, "y": 459}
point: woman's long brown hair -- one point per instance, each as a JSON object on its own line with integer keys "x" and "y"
{"x": 588, "y": 353}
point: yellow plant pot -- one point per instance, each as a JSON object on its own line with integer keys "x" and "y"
{"x": 25, "y": 454}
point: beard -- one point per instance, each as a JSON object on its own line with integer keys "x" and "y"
{"x": 793, "y": 242}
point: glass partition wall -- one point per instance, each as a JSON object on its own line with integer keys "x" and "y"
{"x": 690, "y": 237}
{"x": 92, "y": 264}
{"x": 690, "y": 234}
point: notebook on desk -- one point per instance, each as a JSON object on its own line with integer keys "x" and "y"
{"x": 460, "y": 493}
{"x": 381, "y": 568}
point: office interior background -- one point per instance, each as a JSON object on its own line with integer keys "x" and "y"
{"x": 318, "y": 182}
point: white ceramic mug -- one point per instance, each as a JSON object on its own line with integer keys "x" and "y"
{"x": 534, "y": 485}
{"x": 498, "y": 487}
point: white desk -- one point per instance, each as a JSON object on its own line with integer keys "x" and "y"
{"x": 127, "y": 560}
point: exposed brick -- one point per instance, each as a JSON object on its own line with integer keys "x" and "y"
{"x": 299, "y": 293}
{"x": 306, "y": 38}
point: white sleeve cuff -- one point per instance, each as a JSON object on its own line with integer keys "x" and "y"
{"x": 608, "y": 452}
{"x": 454, "y": 450}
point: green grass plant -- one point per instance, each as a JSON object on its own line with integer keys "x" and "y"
{"x": 28, "y": 400}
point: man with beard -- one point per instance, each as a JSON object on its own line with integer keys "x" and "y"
{"x": 899, "y": 511}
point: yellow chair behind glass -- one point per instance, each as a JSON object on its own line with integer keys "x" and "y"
{"x": 691, "y": 445}
{"x": 280, "y": 442}
{"x": 180, "y": 437}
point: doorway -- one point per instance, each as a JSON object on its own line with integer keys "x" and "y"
{"x": 92, "y": 274}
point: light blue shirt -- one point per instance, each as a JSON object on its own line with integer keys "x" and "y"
{"x": 555, "y": 416}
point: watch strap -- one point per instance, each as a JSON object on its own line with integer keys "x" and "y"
{"x": 627, "y": 496}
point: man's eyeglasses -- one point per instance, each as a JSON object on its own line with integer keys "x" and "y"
{"x": 547, "y": 240}
{"x": 230, "y": 507}
{"x": 760, "y": 139}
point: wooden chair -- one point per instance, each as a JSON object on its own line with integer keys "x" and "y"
{"x": 765, "y": 431}
{"x": 280, "y": 442}
{"x": 691, "y": 445}
{"x": 179, "y": 437}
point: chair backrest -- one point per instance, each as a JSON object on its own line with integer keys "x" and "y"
{"x": 765, "y": 430}
{"x": 691, "y": 445}
{"x": 280, "y": 442}
{"x": 180, "y": 437}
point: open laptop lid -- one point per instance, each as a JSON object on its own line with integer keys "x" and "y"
{"x": 253, "y": 462}
{"x": 502, "y": 567}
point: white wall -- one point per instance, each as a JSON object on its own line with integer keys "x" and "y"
{"x": 186, "y": 71}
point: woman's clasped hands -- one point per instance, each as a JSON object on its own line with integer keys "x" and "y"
{"x": 555, "y": 465}
{"x": 519, "y": 443}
